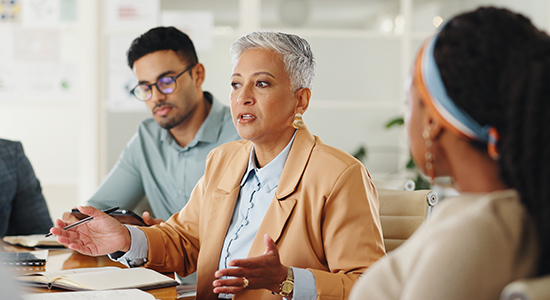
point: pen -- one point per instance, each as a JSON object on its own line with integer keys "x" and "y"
{"x": 85, "y": 220}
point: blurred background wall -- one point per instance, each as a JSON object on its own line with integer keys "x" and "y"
{"x": 64, "y": 81}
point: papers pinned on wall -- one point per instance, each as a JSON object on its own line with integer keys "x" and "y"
{"x": 10, "y": 11}
{"x": 37, "y": 82}
{"x": 120, "y": 79}
{"x": 131, "y": 15}
{"x": 198, "y": 25}
{"x": 48, "y": 13}
{"x": 37, "y": 45}
{"x": 33, "y": 64}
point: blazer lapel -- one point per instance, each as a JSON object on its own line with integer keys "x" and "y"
{"x": 223, "y": 201}
{"x": 273, "y": 224}
{"x": 296, "y": 163}
{"x": 282, "y": 205}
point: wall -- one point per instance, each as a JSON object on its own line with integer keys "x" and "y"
{"x": 58, "y": 127}
{"x": 363, "y": 50}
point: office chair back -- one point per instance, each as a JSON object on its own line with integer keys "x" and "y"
{"x": 537, "y": 288}
{"x": 402, "y": 212}
{"x": 396, "y": 184}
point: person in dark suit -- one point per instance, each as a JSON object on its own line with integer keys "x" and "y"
{"x": 23, "y": 209}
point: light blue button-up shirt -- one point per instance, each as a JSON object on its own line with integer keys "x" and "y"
{"x": 258, "y": 188}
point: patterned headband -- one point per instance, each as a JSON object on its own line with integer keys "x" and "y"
{"x": 435, "y": 97}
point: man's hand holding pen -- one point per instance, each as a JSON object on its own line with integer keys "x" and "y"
{"x": 100, "y": 236}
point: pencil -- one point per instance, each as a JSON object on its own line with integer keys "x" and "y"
{"x": 85, "y": 220}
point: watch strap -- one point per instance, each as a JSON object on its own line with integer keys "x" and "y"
{"x": 288, "y": 281}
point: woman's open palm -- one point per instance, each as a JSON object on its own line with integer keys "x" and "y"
{"x": 103, "y": 235}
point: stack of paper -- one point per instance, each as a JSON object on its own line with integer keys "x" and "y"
{"x": 130, "y": 294}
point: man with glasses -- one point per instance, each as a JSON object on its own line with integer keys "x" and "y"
{"x": 166, "y": 157}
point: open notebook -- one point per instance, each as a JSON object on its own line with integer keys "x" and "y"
{"x": 33, "y": 240}
{"x": 105, "y": 278}
{"x": 129, "y": 294}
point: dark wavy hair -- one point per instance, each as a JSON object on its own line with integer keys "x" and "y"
{"x": 496, "y": 66}
{"x": 162, "y": 38}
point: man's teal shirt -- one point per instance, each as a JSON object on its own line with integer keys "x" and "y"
{"x": 154, "y": 165}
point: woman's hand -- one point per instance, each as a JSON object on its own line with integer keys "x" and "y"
{"x": 262, "y": 272}
{"x": 102, "y": 235}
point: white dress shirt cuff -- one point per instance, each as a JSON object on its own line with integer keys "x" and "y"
{"x": 139, "y": 249}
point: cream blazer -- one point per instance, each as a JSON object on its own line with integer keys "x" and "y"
{"x": 470, "y": 248}
{"x": 323, "y": 217}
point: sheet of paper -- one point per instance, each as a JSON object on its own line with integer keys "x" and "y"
{"x": 40, "y": 13}
{"x": 37, "y": 45}
{"x": 120, "y": 78}
{"x": 130, "y": 294}
{"x": 68, "y": 10}
{"x": 42, "y": 81}
{"x": 198, "y": 25}
{"x": 140, "y": 15}
{"x": 10, "y": 11}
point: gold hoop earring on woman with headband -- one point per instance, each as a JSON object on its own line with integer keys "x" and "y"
{"x": 429, "y": 157}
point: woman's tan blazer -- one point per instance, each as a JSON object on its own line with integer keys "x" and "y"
{"x": 324, "y": 217}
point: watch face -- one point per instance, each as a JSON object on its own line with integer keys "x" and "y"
{"x": 287, "y": 287}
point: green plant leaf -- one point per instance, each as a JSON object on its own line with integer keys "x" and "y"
{"x": 360, "y": 153}
{"x": 421, "y": 183}
{"x": 410, "y": 164}
{"x": 399, "y": 121}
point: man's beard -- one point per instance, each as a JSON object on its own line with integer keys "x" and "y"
{"x": 171, "y": 122}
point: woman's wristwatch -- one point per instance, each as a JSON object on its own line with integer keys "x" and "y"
{"x": 287, "y": 286}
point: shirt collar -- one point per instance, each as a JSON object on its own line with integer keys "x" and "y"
{"x": 269, "y": 175}
{"x": 210, "y": 128}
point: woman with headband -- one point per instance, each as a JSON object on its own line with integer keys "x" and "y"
{"x": 478, "y": 108}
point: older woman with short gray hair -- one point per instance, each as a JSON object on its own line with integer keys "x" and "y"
{"x": 278, "y": 214}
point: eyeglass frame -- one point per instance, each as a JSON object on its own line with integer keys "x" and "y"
{"x": 150, "y": 86}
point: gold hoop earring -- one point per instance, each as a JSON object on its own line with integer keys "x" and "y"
{"x": 428, "y": 156}
{"x": 298, "y": 122}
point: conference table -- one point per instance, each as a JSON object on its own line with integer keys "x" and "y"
{"x": 62, "y": 259}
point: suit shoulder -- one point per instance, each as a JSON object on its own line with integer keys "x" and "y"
{"x": 10, "y": 148}
{"x": 229, "y": 149}
{"x": 332, "y": 154}
{"x": 225, "y": 155}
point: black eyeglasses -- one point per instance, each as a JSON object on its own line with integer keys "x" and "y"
{"x": 166, "y": 85}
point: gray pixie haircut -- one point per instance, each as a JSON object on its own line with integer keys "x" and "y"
{"x": 294, "y": 50}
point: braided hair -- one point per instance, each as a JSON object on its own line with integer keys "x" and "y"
{"x": 496, "y": 66}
